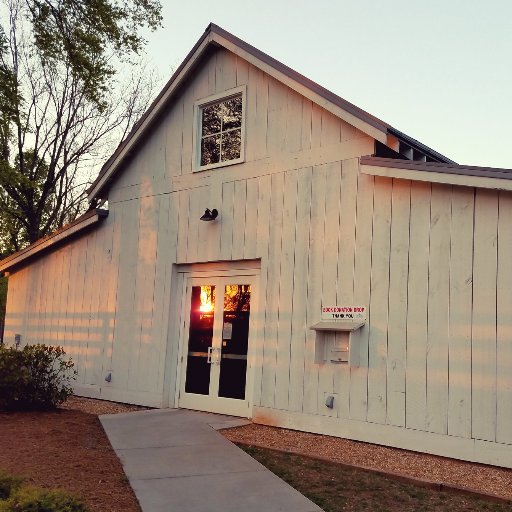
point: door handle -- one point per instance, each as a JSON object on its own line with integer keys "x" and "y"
{"x": 213, "y": 355}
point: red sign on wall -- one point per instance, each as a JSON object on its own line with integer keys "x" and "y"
{"x": 343, "y": 313}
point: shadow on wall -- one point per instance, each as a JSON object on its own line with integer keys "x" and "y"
{"x": 89, "y": 340}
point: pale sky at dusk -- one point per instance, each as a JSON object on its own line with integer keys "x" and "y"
{"x": 440, "y": 71}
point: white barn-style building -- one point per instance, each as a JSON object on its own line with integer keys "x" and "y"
{"x": 345, "y": 280}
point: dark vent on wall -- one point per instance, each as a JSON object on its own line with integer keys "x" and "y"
{"x": 411, "y": 149}
{"x": 407, "y": 151}
{"x": 383, "y": 151}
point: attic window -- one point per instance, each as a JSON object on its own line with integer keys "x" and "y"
{"x": 220, "y": 130}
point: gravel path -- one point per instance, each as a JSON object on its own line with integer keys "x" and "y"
{"x": 467, "y": 475}
{"x": 98, "y": 407}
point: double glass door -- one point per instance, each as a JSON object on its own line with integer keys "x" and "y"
{"x": 216, "y": 334}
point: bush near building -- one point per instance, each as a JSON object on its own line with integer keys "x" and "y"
{"x": 35, "y": 377}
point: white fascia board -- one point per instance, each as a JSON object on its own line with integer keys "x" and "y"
{"x": 379, "y": 134}
{"x": 155, "y": 110}
{"x": 45, "y": 243}
{"x": 370, "y": 130}
{"x": 438, "y": 177}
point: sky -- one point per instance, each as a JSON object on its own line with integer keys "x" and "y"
{"x": 439, "y": 71}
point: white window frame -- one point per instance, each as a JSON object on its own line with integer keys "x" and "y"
{"x": 205, "y": 102}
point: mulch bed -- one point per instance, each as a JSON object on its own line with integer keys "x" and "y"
{"x": 66, "y": 449}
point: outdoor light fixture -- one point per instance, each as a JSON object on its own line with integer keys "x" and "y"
{"x": 209, "y": 214}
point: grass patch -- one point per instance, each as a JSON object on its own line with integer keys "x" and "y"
{"x": 336, "y": 488}
{"x": 8, "y": 485}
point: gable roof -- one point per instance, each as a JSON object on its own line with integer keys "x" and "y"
{"x": 215, "y": 36}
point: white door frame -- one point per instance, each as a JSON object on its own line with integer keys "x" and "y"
{"x": 229, "y": 406}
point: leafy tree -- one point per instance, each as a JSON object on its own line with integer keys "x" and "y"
{"x": 70, "y": 88}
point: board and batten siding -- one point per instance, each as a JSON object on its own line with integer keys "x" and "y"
{"x": 431, "y": 262}
{"x": 105, "y": 295}
{"x": 284, "y": 131}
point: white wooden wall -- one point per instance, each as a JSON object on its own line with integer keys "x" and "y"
{"x": 435, "y": 361}
{"x": 433, "y": 262}
{"x": 77, "y": 297}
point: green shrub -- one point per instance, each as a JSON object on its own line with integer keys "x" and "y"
{"x": 8, "y": 484}
{"x": 14, "y": 377}
{"x": 36, "y": 377}
{"x": 32, "y": 499}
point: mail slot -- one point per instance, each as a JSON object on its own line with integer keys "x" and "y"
{"x": 339, "y": 355}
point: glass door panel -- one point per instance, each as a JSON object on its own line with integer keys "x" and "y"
{"x": 216, "y": 331}
{"x": 200, "y": 339}
{"x": 235, "y": 336}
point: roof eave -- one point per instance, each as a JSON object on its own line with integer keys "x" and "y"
{"x": 416, "y": 144}
{"x": 50, "y": 241}
{"x": 308, "y": 88}
{"x": 435, "y": 172}
{"x": 123, "y": 150}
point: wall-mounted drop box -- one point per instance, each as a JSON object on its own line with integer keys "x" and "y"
{"x": 334, "y": 342}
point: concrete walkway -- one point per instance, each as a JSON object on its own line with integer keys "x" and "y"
{"x": 176, "y": 461}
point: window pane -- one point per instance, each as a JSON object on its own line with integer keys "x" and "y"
{"x": 211, "y": 122}
{"x": 231, "y": 143}
{"x": 200, "y": 336}
{"x": 235, "y": 335}
{"x": 210, "y": 150}
{"x": 232, "y": 113}
{"x": 221, "y": 131}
